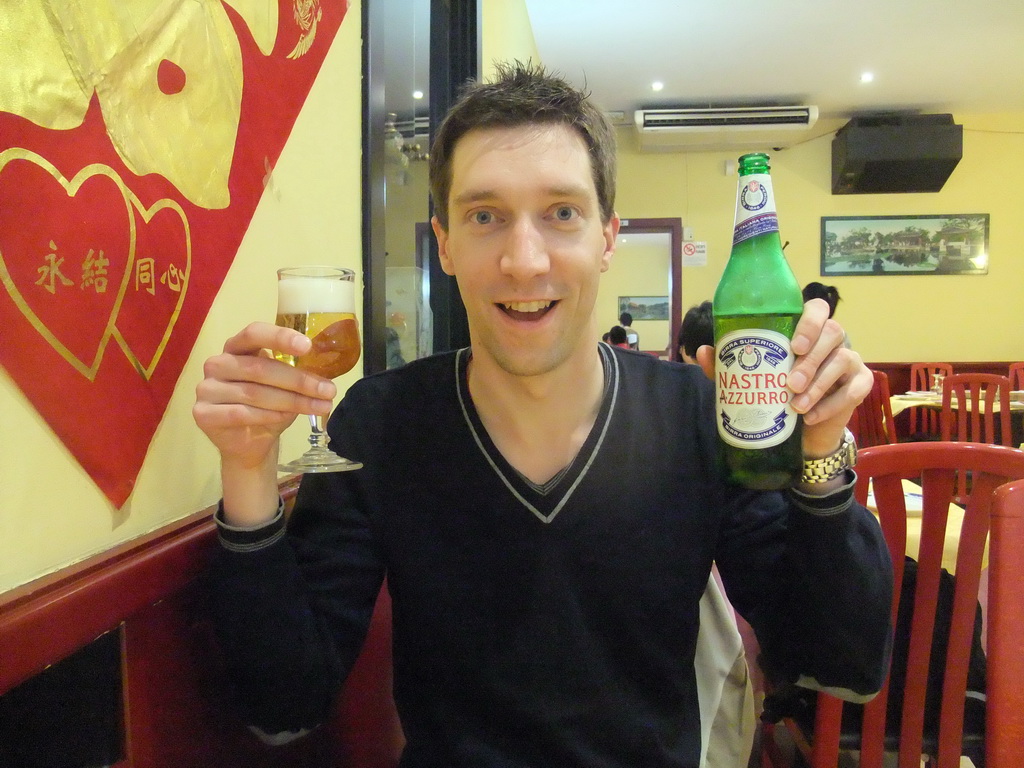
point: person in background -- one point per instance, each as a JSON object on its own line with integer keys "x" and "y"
{"x": 696, "y": 330}
{"x": 626, "y": 320}
{"x": 393, "y": 348}
{"x": 546, "y": 508}
{"x": 618, "y": 337}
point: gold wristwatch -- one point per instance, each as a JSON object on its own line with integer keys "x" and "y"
{"x": 829, "y": 467}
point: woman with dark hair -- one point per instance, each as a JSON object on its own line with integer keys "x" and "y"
{"x": 818, "y": 290}
{"x": 830, "y": 294}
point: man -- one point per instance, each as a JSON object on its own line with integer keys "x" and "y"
{"x": 546, "y": 508}
{"x": 696, "y": 331}
{"x": 626, "y": 320}
{"x": 617, "y": 337}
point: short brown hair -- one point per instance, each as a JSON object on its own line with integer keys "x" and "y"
{"x": 524, "y": 94}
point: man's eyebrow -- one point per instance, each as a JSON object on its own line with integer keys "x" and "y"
{"x": 573, "y": 191}
{"x": 474, "y": 196}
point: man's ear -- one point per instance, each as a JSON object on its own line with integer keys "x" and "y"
{"x": 610, "y": 231}
{"x": 442, "y": 246}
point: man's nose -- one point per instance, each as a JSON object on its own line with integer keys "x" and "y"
{"x": 525, "y": 254}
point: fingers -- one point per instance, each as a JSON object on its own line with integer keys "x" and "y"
{"x": 808, "y": 329}
{"x": 257, "y": 336}
{"x": 828, "y": 380}
{"x": 247, "y": 398}
{"x": 246, "y": 373}
{"x": 262, "y": 384}
{"x": 215, "y": 419}
{"x": 815, "y": 339}
{"x": 837, "y": 387}
{"x": 816, "y": 370}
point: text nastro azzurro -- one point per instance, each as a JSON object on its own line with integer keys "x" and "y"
{"x": 751, "y": 372}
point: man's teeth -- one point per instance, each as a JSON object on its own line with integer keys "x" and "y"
{"x": 528, "y": 306}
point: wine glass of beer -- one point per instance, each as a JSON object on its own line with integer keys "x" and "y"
{"x": 320, "y": 303}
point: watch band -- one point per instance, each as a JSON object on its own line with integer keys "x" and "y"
{"x": 832, "y": 466}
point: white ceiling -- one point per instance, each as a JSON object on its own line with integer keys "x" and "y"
{"x": 926, "y": 55}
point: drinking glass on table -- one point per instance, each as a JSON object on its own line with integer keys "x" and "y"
{"x": 320, "y": 303}
{"x": 937, "y": 379}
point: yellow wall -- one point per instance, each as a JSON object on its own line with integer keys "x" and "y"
{"x": 888, "y": 318}
{"x": 505, "y": 34}
{"x": 52, "y": 514}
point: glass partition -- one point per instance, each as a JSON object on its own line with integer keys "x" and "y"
{"x": 416, "y": 54}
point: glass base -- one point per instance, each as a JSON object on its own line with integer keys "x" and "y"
{"x": 319, "y": 460}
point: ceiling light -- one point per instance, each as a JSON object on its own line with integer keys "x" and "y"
{"x": 867, "y": 77}
{"x": 657, "y": 85}
{"x": 417, "y": 94}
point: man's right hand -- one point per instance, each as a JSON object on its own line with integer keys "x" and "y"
{"x": 243, "y": 404}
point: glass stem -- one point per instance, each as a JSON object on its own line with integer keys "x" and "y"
{"x": 317, "y": 436}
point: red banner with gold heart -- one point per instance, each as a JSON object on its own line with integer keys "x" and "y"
{"x": 135, "y": 142}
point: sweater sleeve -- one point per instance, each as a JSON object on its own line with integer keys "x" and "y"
{"x": 291, "y": 606}
{"x": 813, "y": 577}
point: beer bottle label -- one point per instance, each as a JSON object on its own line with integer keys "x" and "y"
{"x": 751, "y": 371}
{"x": 755, "y": 208}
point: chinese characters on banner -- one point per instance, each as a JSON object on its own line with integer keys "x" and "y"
{"x": 135, "y": 138}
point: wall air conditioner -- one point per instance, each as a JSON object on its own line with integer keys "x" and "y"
{"x": 725, "y": 128}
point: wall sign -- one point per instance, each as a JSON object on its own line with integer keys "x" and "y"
{"x": 135, "y": 142}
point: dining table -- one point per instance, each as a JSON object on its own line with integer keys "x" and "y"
{"x": 913, "y": 500}
{"x": 901, "y": 402}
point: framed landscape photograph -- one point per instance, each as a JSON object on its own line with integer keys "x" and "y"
{"x": 645, "y": 307}
{"x": 905, "y": 245}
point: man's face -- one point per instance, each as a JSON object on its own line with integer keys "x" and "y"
{"x": 526, "y": 244}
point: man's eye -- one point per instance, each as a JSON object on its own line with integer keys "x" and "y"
{"x": 483, "y": 217}
{"x": 565, "y": 213}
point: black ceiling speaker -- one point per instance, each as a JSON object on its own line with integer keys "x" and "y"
{"x": 895, "y": 153}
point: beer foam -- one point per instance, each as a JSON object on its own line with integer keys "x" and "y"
{"x": 300, "y": 295}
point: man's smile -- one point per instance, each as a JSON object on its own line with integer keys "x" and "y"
{"x": 526, "y": 310}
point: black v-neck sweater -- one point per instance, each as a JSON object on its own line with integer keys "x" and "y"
{"x": 542, "y": 626}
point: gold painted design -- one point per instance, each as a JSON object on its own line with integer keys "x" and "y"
{"x": 55, "y": 53}
{"x": 260, "y": 16}
{"x": 36, "y": 80}
{"x": 178, "y": 280}
{"x": 307, "y": 14}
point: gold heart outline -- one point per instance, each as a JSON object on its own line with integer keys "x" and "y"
{"x": 147, "y": 215}
{"x": 72, "y": 187}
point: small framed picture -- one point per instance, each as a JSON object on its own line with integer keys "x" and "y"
{"x": 645, "y": 307}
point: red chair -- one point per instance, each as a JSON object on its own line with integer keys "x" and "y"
{"x": 973, "y": 417}
{"x": 1005, "y": 691}
{"x": 981, "y": 413}
{"x": 921, "y": 381}
{"x": 365, "y": 729}
{"x": 1017, "y": 375}
{"x": 937, "y": 464}
{"x": 872, "y": 422}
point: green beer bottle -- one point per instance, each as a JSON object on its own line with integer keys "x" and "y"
{"x": 756, "y": 307}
